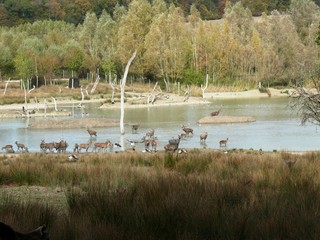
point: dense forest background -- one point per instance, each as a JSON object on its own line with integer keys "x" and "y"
{"x": 15, "y": 12}
{"x": 174, "y": 41}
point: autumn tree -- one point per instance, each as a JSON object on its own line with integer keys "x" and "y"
{"x": 168, "y": 45}
{"x": 87, "y": 41}
{"x": 133, "y": 28}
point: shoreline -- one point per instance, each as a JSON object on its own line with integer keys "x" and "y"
{"x": 12, "y": 110}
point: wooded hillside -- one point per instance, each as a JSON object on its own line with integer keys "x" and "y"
{"x": 13, "y": 12}
{"x": 276, "y": 49}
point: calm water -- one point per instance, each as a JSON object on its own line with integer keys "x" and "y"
{"x": 277, "y": 126}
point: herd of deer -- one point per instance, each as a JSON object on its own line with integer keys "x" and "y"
{"x": 149, "y": 141}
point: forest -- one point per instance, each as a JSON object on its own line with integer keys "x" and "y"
{"x": 13, "y": 12}
{"x": 276, "y": 48}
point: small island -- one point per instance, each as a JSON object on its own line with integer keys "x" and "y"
{"x": 226, "y": 119}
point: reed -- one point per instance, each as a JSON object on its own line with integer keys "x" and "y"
{"x": 198, "y": 195}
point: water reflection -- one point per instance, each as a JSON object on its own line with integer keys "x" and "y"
{"x": 277, "y": 126}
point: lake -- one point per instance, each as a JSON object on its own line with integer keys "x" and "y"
{"x": 277, "y": 126}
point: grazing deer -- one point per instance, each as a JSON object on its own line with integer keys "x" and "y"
{"x": 203, "y": 136}
{"x": 7, "y": 233}
{"x": 223, "y": 142}
{"x": 187, "y": 130}
{"x": 8, "y": 148}
{"x": 20, "y": 146}
{"x": 92, "y": 132}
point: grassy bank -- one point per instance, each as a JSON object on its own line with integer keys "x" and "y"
{"x": 198, "y": 195}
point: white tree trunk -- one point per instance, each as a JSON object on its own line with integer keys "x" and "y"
{"x": 122, "y": 85}
{"x": 205, "y": 87}
{"x": 5, "y": 89}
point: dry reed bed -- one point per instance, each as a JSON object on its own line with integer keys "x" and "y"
{"x": 198, "y": 195}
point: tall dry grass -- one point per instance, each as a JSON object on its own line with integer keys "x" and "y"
{"x": 198, "y": 195}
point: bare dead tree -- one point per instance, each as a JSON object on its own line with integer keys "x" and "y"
{"x": 307, "y": 103}
{"x": 112, "y": 85}
{"x": 203, "y": 88}
{"x": 122, "y": 86}
{"x": 5, "y": 88}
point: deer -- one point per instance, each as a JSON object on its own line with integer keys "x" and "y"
{"x": 146, "y": 142}
{"x": 61, "y": 146}
{"x": 150, "y": 133}
{"x": 101, "y": 146}
{"x": 223, "y": 142}
{"x": 20, "y": 146}
{"x": 173, "y": 145}
{"x": 216, "y": 113}
{"x": 154, "y": 143}
{"x": 8, "y": 148}
{"x": 7, "y": 233}
{"x": 135, "y": 128}
{"x": 44, "y": 146}
{"x": 187, "y": 130}
{"x": 203, "y": 136}
{"x": 78, "y": 147}
{"x": 91, "y": 132}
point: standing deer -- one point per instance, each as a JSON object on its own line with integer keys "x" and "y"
{"x": 223, "y": 142}
{"x": 154, "y": 143}
{"x": 20, "y": 146}
{"x": 135, "y": 128}
{"x": 203, "y": 136}
{"x": 173, "y": 145}
{"x": 187, "y": 130}
{"x": 92, "y": 132}
{"x": 78, "y": 147}
{"x": 150, "y": 133}
{"x": 7, "y": 233}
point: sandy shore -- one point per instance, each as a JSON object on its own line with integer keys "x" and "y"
{"x": 12, "y": 110}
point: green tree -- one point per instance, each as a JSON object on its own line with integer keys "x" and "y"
{"x": 304, "y": 13}
{"x": 132, "y": 31}
{"x": 6, "y": 60}
{"x": 73, "y": 57}
{"x": 87, "y": 41}
{"x": 168, "y": 45}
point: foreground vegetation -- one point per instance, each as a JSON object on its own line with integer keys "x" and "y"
{"x": 203, "y": 194}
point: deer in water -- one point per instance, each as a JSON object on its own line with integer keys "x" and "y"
{"x": 223, "y": 142}
{"x": 150, "y": 133}
{"x": 21, "y": 147}
{"x": 203, "y": 136}
{"x": 7, "y": 233}
{"x": 173, "y": 145}
{"x": 154, "y": 143}
{"x": 135, "y": 128}
{"x": 91, "y": 132}
{"x": 216, "y": 113}
{"x": 187, "y": 130}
